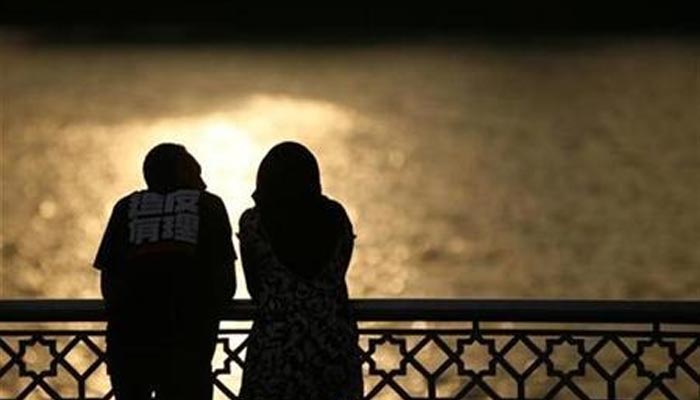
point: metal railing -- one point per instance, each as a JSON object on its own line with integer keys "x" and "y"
{"x": 411, "y": 349}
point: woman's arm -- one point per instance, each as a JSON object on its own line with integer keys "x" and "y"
{"x": 255, "y": 251}
{"x": 347, "y": 240}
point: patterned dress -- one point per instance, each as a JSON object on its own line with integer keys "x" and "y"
{"x": 303, "y": 344}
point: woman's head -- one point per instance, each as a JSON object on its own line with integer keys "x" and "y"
{"x": 303, "y": 226}
{"x": 288, "y": 174}
{"x": 168, "y": 166}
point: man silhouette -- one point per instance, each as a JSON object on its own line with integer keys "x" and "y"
{"x": 166, "y": 262}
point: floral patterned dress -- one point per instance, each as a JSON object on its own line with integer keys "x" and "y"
{"x": 303, "y": 344}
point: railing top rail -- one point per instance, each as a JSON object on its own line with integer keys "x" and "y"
{"x": 601, "y": 311}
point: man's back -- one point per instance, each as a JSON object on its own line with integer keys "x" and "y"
{"x": 166, "y": 261}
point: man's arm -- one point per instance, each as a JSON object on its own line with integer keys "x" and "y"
{"x": 111, "y": 252}
{"x": 224, "y": 268}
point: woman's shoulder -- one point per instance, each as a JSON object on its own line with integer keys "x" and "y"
{"x": 249, "y": 217}
{"x": 334, "y": 207}
{"x": 338, "y": 215}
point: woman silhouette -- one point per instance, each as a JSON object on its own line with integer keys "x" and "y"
{"x": 296, "y": 245}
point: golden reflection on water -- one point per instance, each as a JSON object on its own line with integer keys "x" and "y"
{"x": 468, "y": 171}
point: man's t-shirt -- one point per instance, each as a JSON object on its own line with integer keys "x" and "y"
{"x": 167, "y": 265}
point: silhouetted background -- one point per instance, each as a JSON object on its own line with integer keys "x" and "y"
{"x": 481, "y": 151}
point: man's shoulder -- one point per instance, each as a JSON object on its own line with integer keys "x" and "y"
{"x": 211, "y": 201}
{"x": 209, "y": 196}
{"x": 123, "y": 203}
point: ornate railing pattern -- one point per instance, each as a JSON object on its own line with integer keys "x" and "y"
{"x": 412, "y": 349}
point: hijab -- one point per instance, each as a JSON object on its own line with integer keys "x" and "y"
{"x": 300, "y": 222}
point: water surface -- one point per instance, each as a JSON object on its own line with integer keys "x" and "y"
{"x": 469, "y": 169}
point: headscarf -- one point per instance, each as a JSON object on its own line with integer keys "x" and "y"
{"x": 300, "y": 222}
{"x": 168, "y": 166}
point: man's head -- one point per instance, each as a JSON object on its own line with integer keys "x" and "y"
{"x": 169, "y": 166}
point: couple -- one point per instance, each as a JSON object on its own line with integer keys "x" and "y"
{"x": 166, "y": 262}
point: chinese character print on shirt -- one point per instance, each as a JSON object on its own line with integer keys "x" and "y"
{"x": 173, "y": 216}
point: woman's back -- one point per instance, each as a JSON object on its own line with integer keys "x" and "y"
{"x": 303, "y": 344}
